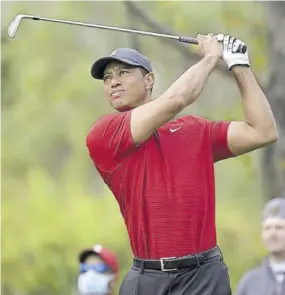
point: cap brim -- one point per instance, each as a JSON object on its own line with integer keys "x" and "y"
{"x": 98, "y": 68}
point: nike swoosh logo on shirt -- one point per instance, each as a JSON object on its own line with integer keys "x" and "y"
{"x": 174, "y": 130}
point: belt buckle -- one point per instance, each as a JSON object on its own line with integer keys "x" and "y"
{"x": 162, "y": 263}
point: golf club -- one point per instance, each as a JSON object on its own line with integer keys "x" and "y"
{"x": 14, "y": 25}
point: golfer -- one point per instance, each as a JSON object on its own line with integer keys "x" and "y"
{"x": 161, "y": 169}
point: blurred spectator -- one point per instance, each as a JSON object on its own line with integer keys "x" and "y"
{"x": 99, "y": 270}
{"x": 269, "y": 277}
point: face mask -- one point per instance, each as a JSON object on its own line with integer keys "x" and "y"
{"x": 93, "y": 283}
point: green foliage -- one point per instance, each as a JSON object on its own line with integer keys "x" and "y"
{"x": 45, "y": 228}
{"x": 53, "y": 201}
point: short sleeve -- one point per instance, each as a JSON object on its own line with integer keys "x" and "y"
{"x": 109, "y": 141}
{"x": 218, "y": 131}
{"x": 218, "y": 136}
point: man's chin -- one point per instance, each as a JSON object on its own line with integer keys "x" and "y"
{"x": 123, "y": 108}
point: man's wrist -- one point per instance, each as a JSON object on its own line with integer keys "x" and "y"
{"x": 243, "y": 75}
{"x": 240, "y": 70}
{"x": 211, "y": 59}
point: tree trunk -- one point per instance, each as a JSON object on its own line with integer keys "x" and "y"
{"x": 273, "y": 159}
{"x": 134, "y": 40}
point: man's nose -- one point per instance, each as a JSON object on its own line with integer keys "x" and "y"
{"x": 115, "y": 82}
{"x": 273, "y": 232}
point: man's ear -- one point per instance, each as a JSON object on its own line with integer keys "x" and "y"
{"x": 149, "y": 80}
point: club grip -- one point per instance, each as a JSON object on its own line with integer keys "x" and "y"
{"x": 241, "y": 49}
{"x": 188, "y": 40}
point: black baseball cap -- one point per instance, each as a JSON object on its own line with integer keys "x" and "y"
{"x": 125, "y": 55}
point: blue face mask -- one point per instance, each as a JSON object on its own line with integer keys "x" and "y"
{"x": 93, "y": 283}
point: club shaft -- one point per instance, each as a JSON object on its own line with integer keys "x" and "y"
{"x": 105, "y": 27}
{"x": 14, "y": 26}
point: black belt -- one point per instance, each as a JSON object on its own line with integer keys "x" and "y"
{"x": 174, "y": 263}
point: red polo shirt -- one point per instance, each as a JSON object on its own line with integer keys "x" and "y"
{"x": 165, "y": 186}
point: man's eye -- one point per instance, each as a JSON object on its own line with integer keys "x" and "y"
{"x": 106, "y": 78}
{"x": 124, "y": 72}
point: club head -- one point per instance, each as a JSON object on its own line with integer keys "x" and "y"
{"x": 13, "y": 27}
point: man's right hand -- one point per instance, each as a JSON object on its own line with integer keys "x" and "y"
{"x": 209, "y": 45}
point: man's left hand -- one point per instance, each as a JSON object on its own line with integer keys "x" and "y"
{"x": 230, "y": 54}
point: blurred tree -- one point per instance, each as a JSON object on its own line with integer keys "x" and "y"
{"x": 139, "y": 13}
{"x": 273, "y": 162}
{"x": 134, "y": 40}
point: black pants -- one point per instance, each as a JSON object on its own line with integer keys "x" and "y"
{"x": 211, "y": 278}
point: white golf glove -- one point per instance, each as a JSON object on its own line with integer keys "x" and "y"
{"x": 230, "y": 54}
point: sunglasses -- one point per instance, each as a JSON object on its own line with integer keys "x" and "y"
{"x": 99, "y": 267}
